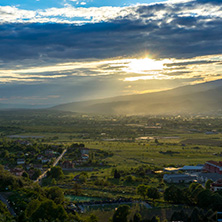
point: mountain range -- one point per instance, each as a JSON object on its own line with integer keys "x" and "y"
{"x": 204, "y": 98}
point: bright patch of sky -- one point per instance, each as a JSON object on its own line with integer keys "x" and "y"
{"x": 44, "y": 4}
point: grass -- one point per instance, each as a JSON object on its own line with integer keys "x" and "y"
{"x": 132, "y": 154}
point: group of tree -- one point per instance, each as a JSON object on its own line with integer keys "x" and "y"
{"x": 9, "y": 181}
{"x": 4, "y": 212}
{"x": 122, "y": 214}
{"x": 195, "y": 195}
{"x": 117, "y": 174}
{"x": 197, "y": 215}
{"x": 35, "y": 203}
{"x": 55, "y": 172}
{"x": 148, "y": 191}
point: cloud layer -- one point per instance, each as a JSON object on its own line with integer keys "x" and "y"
{"x": 178, "y": 30}
{"x": 91, "y": 49}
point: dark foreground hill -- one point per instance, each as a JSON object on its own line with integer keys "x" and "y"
{"x": 202, "y": 98}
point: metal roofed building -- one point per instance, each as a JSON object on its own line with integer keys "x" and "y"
{"x": 192, "y": 169}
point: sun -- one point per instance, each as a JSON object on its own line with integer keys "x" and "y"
{"x": 144, "y": 65}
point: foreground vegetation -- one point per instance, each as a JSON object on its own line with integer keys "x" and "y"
{"x": 123, "y": 165}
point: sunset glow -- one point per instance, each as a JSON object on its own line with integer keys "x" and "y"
{"x": 93, "y": 49}
{"x": 144, "y": 65}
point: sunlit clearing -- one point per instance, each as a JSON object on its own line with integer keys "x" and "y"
{"x": 143, "y": 65}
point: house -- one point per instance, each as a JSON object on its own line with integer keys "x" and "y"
{"x": 85, "y": 156}
{"x": 38, "y": 166}
{"x": 49, "y": 152}
{"x": 28, "y": 166}
{"x": 216, "y": 185}
{"x": 211, "y": 132}
{"x": 20, "y": 161}
{"x": 31, "y": 173}
{"x": 17, "y": 171}
{"x": 45, "y": 160}
{"x": 67, "y": 164}
{"x": 40, "y": 157}
{"x": 76, "y": 178}
{"x": 179, "y": 178}
{"x": 23, "y": 142}
{"x": 84, "y": 150}
{"x": 213, "y": 167}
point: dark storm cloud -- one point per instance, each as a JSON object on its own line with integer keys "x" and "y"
{"x": 165, "y": 30}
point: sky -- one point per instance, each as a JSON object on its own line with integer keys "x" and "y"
{"x": 61, "y": 51}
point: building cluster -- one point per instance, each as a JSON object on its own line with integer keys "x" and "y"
{"x": 35, "y": 162}
{"x": 70, "y": 164}
{"x": 201, "y": 173}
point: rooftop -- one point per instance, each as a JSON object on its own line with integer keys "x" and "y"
{"x": 192, "y": 168}
{"x": 215, "y": 163}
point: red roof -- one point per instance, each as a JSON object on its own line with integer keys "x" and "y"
{"x": 215, "y": 163}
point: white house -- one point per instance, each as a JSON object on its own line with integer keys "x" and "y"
{"x": 20, "y": 161}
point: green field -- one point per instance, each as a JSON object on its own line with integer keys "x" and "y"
{"x": 137, "y": 147}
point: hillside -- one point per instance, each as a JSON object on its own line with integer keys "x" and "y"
{"x": 193, "y": 99}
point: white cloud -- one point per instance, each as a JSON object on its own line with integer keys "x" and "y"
{"x": 70, "y": 14}
{"x": 123, "y": 68}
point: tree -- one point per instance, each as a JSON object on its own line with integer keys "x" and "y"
{"x": 129, "y": 179}
{"x": 4, "y": 210}
{"x": 82, "y": 178}
{"x": 216, "y": 201}
{"x": 208, "y": 184}
{"x": 92, "y": 218}
{"x": 172, "y": 194}
{"x": 37, "y": 173}
{"x": 56, "y": 172}
{"x": 179, "y": 216}
{"x": 31, "y": 208}
{"x": 56, "y": 194}
{"x": 152, "y": 192}
{"x": 155, "y": 219}
{"x": 137, "y": 217}
{"x": 197, "y": 216}
{"x": 196, "y": 191}
{"x": 121, "y": 214}
{"x": 193, "y": 186}
{"x": 25, "y": 174}
{"x": 48, "y": 210}
{"x": 204, "y": 199}
{"x": 141, "y": 190}
{"x": 5, "y": 154}
{"x": 77, "y": 189}
{"x": 116, "y": 174}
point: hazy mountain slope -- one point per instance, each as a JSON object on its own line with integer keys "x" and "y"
{"x": 200, "y": 98}
{"x": 21, "y": 106}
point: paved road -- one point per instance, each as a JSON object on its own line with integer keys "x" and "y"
{"x": 8, "y": 206}
{"x": 54, "y": 164}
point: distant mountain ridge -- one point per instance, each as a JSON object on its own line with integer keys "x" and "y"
{"x": 192, "y": 99}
